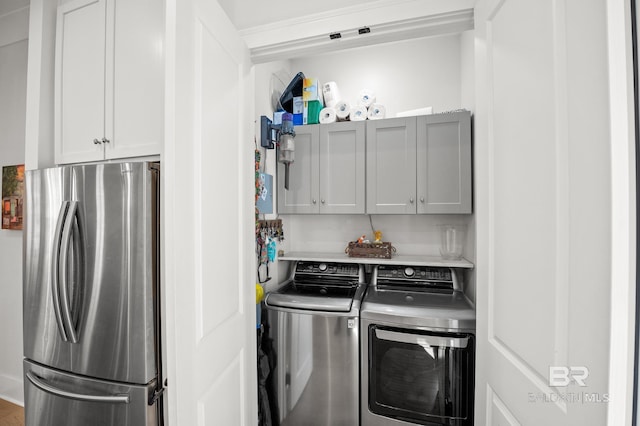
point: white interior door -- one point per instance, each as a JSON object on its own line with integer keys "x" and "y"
{"x": 543, "y": 191}
{"x": 208, "y": 204}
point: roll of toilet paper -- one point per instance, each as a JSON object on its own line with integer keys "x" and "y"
{"x": 366, "y": 97}
{"x": 376, "y": 112}
{"x": 342, "y": 110}
{"x": 358, "y": 113}
{"x": 331, "y": 93}
{"x": 328, "y": 115}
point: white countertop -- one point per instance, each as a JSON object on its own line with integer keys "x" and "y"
{"x": 409, "y": 260}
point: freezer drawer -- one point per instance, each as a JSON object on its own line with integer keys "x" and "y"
{"x": 54, "y": 398}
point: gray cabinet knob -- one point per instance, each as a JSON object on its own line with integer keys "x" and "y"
{"x": 314, "y": 201}
{"x": 105, "y": 140}
{"x": 411, "y": 200}
{"x": 96, "y": 142}
{"x": 322, "y": 201}
{"x": 422, "y": 199}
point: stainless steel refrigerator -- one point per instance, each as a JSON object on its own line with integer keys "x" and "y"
{"x": 92, "y": 338}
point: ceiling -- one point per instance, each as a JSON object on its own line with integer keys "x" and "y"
{"x": 8, "y": 6}
{"x": 267, "y": 12}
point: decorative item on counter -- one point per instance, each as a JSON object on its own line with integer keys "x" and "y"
{"x": 362, "y": 239}
{"x": 342, "y": 110}
{"x": 328, "y": 115}
{"x": 378, "y": 237}
{"x": 330, "y": 93}
{"x": 376, "y": 112}
{"x": 358, "y": 113}
{"x": 366, "y": 97}
{"x": 366, "y": 249}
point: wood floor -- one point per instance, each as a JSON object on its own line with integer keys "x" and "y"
{"x": 11, "y": 414}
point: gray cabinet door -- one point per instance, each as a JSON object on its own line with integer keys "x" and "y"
{"x": 444, "y": 163}
{"x": 391, "y": 166}
{"x": 302, "y": 195}
{"x": 342, "y": 169}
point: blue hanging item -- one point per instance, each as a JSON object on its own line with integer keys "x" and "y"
{"x": 271, "y": 250}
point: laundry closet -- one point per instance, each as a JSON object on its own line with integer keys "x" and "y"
{"x": 436, "y": 72}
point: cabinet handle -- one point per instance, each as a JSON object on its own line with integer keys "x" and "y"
{"x": 411, "y": 200}
{"x": 422, "y": 199}
{"x": 314, "y": 201}
{"x": 322, "y": 201}
{"x": 105, "y": 140}
{"x": 96, "y": 142}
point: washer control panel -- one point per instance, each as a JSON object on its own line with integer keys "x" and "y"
{"x": 328, "y": 268}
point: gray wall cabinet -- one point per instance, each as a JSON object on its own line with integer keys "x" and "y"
{"x": 420, "y": 164}
{"x": 328, "y": 175}
{"x": 409, "y": 165}
{"x": 444, "y": 163}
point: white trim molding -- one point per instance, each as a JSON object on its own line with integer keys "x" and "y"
{"x": 387, "y": 20}
{"x": 623, "y": 212}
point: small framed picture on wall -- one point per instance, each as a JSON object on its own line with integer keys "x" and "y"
{"x": 12, "y": 196}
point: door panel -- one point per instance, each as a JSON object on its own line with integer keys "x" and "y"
{"x": 543, "y": 193}
{"x": 391, "y": 166}
{"x": 209, "y": 219}
{"x": 342, "y": 168}
{"x": 302, "y": 195}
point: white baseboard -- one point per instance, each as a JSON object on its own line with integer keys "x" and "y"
{"x": 11, "y": 389}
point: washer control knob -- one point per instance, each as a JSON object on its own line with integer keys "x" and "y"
{"x": 322, "y": 267}
{"x": 409, "y": 272}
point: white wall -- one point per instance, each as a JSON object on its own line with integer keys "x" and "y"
{"x": 13, "y": 89}
{"x": 435, "y": 71}
{"x": 404, "y": 75}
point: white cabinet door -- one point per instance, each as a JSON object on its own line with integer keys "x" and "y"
{"x": 444, "y": 163}
{"x": 79, "y": 81}
{"x": 135, "y": 95}
{"x": 391, "y": 166}
{"x": 109, "y": 80}
{"x": 342, "y": 168}
{"x": 302, "y": 195}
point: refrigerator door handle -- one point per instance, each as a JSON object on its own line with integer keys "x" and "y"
{"x": 68, "y": 227}
{"x": 55, "y": 267}
{"x": 45, "y": 387}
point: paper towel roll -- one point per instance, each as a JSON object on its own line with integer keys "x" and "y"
{"x": 376, "y": 112}
{"x": 342, "y": 110}
{"x": 366, "y": 97}
{"x": 358, "y": 113}
{"x": 328, "y": 115}
{"x": 331, "y": 93}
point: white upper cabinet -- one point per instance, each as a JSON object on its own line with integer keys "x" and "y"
{"x": 328, "y": 175}
{"x": 109, "y": 97}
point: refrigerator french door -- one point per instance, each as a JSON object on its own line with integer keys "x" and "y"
{"x": 91, "y": 296}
